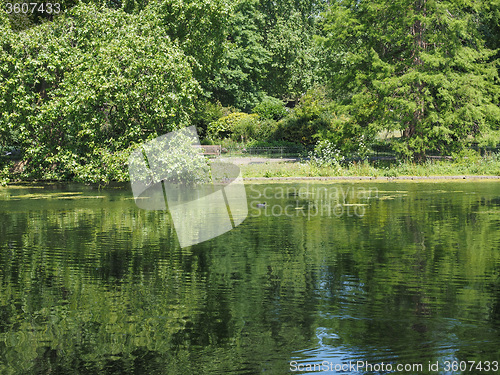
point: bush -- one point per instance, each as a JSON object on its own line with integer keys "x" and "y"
{"x": 270, "y": 108}
{"x": 182, "y": 164}
{"x": 246, "y": 128}
{"x": 5, "y": 172}
{"x": 237, "y": 126}
{"x": 266, "y": 130}
{"x": 466, "y": 156}
{"x": 313, "y": 115}
{"x": 325, "y": 154}
{"x": 206, "y": 113}
{"x": 99, "y": 166}
{"x": 243, "y": 127}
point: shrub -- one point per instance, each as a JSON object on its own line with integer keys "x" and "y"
{"x": 466, "y": 156}
{"x": 235, "y": 126}
{"x": 313, "y": 115}
{"x": 325, "y": 154}
{"x": 206, "y": 113}
{"x": 5, "y": 173}
{"x": 270, "y": 108}
{"x": 246, "y": 128}
{"x": 266, "y": 130}
{"x": 182, "y": 164}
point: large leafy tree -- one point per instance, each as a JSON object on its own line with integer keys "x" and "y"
{"x": 270, "y": 51}
{"x": 92, "y": 82}
{"x": 240, "y": 80}
{"x": 7, "y": 65}
{"x": 419, "y": 66}
{"x": 39, "y": 12}
{"x": 199, "y": 27}
{"x": 293, "y": 64}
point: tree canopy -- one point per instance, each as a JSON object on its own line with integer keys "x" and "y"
{"x": 102, "y": 76}
{"x": 414, "y": 65}
{"x": 92, "y": 81}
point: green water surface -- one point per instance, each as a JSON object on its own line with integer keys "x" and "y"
{"x": 325, "y": 275}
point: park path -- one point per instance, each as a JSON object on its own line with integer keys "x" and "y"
{"x": 246, "y": 160}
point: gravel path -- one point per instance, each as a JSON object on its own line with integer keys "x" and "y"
{"x": 256, "y": 160}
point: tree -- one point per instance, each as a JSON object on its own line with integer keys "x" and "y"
{"x": 293, "y": 65}
{"x": 90, "y": 84}
{"x": 240, "y": 80}
{"x": 43, "y": 12}
{"x": 419, "y": 66}
{"x": 270, "y": 51}
{"x": 6, "y": 67}
{"x": 490, "y": 16}
{"x": 199, "y": 28}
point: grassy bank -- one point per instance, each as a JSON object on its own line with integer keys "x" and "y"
{"x": 487, "y": 166}
{"x": 469, "y": 166}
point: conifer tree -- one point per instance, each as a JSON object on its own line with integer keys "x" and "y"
{"x": 418, "y": 66}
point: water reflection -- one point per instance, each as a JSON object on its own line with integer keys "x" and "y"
{"x": 89, "y": 283}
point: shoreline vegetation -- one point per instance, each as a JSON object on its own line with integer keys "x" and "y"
{"x": 375, "y": 179}
{"x": 458, "y": 168}
{"x": 481, "y": 168}
{"x": 280, "y": 180}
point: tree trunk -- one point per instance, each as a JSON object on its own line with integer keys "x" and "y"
{"x": 419, "y": 44}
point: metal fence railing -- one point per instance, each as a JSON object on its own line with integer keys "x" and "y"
{"x": 277, "y": 151}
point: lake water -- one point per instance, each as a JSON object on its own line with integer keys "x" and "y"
{"x": 351, "y": 277}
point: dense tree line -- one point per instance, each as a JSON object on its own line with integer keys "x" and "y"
{"x": 421, "y": 67}
{"x": 80, "y": 89}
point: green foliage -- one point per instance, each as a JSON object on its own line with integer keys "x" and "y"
{"x": 4, "y": 21}
{"x": 293, "y": 66}
{"x": 240, "y": 80}
{"x": 420, "y": 67}
{"x": 270, "y": 108}
{"x": 317, "y": 117}
{"x": 245, "y": 128}
{"x": 489, "y": 139}
{"x": 91, "y": 80}
{"x": 104, "y": 167}
{"x": 275, "y": 143}
{"x": 198, "y": 27}
{"x": 236, "y": 125}
{"x": 183, "y": 164}
{"x": 269, "y": 51}
{"x": 466, "y": 157}
{"x": 308, "y": 118}
{"x": 326, "y": 155}
{"x": 266, "y": 130}
{"x": 487, "y": 166}
{"x": 129, "y": 6}
{"x": 490, "y": 23}
{"x": 90, "y": 83}
{"x": 5, "y": 173}
{"x": 6, "y": 67}
{"x": 208, "y": 112}
{"x": 222, "y": 127}
{"x": 42, "y": 13}
{"x": 313, "y": 104}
